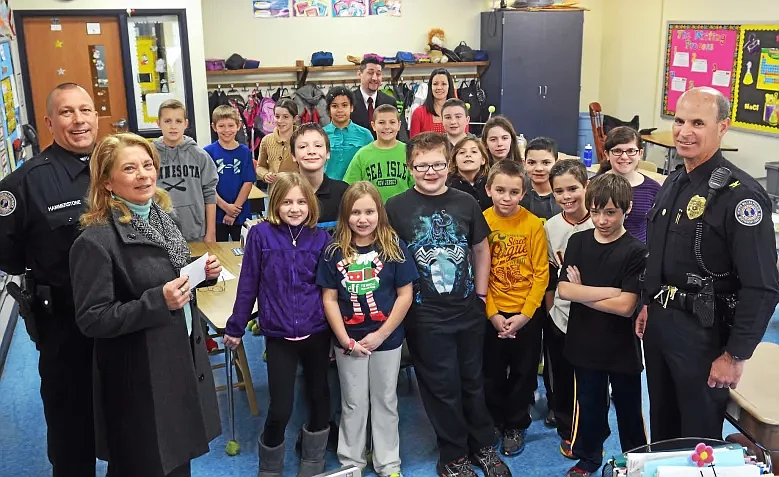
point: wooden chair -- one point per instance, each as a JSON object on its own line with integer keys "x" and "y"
{"x": 647, "y": 166}
{"x": 599, "y": 136}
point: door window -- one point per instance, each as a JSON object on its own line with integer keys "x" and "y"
{"x": 157, "y": 65}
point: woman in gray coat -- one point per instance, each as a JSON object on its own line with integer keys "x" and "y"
{"x": 155, "y": 402}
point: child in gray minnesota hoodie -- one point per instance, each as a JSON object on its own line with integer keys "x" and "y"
{"x": 188, "y": 174}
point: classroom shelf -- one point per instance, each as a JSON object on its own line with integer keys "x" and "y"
{"x": 301, "y": 71}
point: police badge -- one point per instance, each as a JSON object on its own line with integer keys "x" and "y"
{"x": 695, "y": 207}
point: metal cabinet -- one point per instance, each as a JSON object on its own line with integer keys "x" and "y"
{"x": 534, "y": 78}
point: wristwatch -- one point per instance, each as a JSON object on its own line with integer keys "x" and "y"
{"x": 735, "y": 358}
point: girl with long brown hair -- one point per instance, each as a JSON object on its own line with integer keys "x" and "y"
{"x": 366, "y": 275}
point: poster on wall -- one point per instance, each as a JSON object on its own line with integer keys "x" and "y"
{"x": 756, "y": 95}
{"x": 385, "y": 7}
{"x": 698, "y": 55}
{"x": 10, "y": 129}
{"x": 271, "y": 9}
{"x": 311, "y": 8}
{"x": 350, "y": 8}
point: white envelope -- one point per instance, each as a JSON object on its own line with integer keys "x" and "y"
{"x": 196, "y": 271}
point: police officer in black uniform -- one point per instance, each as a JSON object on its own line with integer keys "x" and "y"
{"x": 40, "y": 205}
{"x": 711, "y": 280}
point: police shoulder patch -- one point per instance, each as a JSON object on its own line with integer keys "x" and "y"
{"x": 749, "y": 213}
{"x": 7, "y": 203}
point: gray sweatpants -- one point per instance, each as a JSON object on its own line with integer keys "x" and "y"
{"x": 369, "y": 384}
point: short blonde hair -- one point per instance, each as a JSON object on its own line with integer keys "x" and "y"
{"x": 102, "y": 164}
{"x": 174, "y": 104}
{"x": 225, "y": 111}
{"x": 279, "y": 189}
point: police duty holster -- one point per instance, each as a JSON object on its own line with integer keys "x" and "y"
{"x": 26, "y": 299}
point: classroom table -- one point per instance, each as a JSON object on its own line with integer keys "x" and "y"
{"x": 754, "y": 408}
{"x": 216, "y": 304}
{"x": 256, "y": 193}
{"x": 665, "y": 139}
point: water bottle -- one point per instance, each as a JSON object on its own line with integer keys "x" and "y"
{"x": 588, "y": 155}
{"x": 521, "y": 145}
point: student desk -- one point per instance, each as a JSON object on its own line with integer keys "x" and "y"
{"x": 754, "y": 408}
{"x": 665, "y": 139}
{"x": 256, "y": 193}
{"x": 660, "y": 178}
{"x": 216, "y": 304}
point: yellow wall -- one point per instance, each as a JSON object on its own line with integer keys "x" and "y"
{"x": 279, "y": 42}
{"x": 633, "y": 55}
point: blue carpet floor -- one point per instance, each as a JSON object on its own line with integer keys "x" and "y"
{"x": 23, "y": 438}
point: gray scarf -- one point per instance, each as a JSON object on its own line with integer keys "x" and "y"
{"x": 161, "y": 230}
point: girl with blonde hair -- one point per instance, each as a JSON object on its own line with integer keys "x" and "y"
{"x": 366, "y": 276}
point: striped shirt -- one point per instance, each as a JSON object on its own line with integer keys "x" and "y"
{"x": 643, "y": 198}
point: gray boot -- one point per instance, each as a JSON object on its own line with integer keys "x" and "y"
{"x": 271, "y": 460}
{"x": 312, "y": 458}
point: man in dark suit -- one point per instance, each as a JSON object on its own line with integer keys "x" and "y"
{"x": 368, "y": 97}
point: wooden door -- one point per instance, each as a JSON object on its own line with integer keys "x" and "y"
{"x": 83, "y": 50}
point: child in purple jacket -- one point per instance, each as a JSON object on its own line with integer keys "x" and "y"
{"x": 279, "y": 271}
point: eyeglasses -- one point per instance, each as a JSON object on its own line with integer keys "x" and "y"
{"x": 618, "y": 152}
{"x": 438, "y": 166}
{"x": 219, "y": 286}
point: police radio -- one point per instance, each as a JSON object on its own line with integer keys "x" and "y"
{"x": 719, "y": 179}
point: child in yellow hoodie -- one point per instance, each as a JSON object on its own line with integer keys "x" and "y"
{"x": 519, "y": 275}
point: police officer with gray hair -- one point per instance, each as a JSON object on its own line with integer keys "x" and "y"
{"x": 40, "y": 205}
{"x": 711, "y": 280}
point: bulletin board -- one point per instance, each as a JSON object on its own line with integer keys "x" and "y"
{"x": 10, "y": 128}
{"x": 756, "y": 95}
{"x": 699, "y": 55}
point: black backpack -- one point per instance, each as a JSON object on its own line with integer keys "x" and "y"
{"x": 235, "y": 62}
{"x": 464, "y": 51}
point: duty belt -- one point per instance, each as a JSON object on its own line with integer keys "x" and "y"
{"x": 670, "y": 295}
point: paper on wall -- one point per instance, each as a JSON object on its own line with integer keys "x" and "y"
{"x": 196, "y": 271}
{"x": 700, "y": 65}
{"x": 682, "y": 59}
{"x": 679, "y": 84}
{"x": 721, "y": 78}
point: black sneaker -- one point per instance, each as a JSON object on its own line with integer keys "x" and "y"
{"x": 458, "y": 468}
{"x": 576, "y": 471}
{"x": 498, "y": 436}
{"x": 513, "y": 442}
{"x": 550, "y": 420}
{"x": 489, "y": 461}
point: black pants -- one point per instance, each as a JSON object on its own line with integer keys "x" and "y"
{"x": 224, "y": 231}
{"x": 550, "y": 397}
{"x": 678, "y": 353}
{"x": 560, "y": 378}
{"x": 511, "y": 372}
{"x": 65, "y": 367}
{"x": 448, "y": 364}
{"x": 283, "y": 357}
{"x": 592, "y": 411}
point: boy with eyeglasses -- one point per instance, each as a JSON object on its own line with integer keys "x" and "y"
{"x": 447, "y": 235}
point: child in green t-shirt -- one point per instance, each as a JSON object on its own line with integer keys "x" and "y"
{"x": 382, "y": 162}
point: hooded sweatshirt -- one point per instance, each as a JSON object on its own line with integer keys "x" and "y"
{"x": 189, "y": 175}
{"x": 310, "y": 97}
